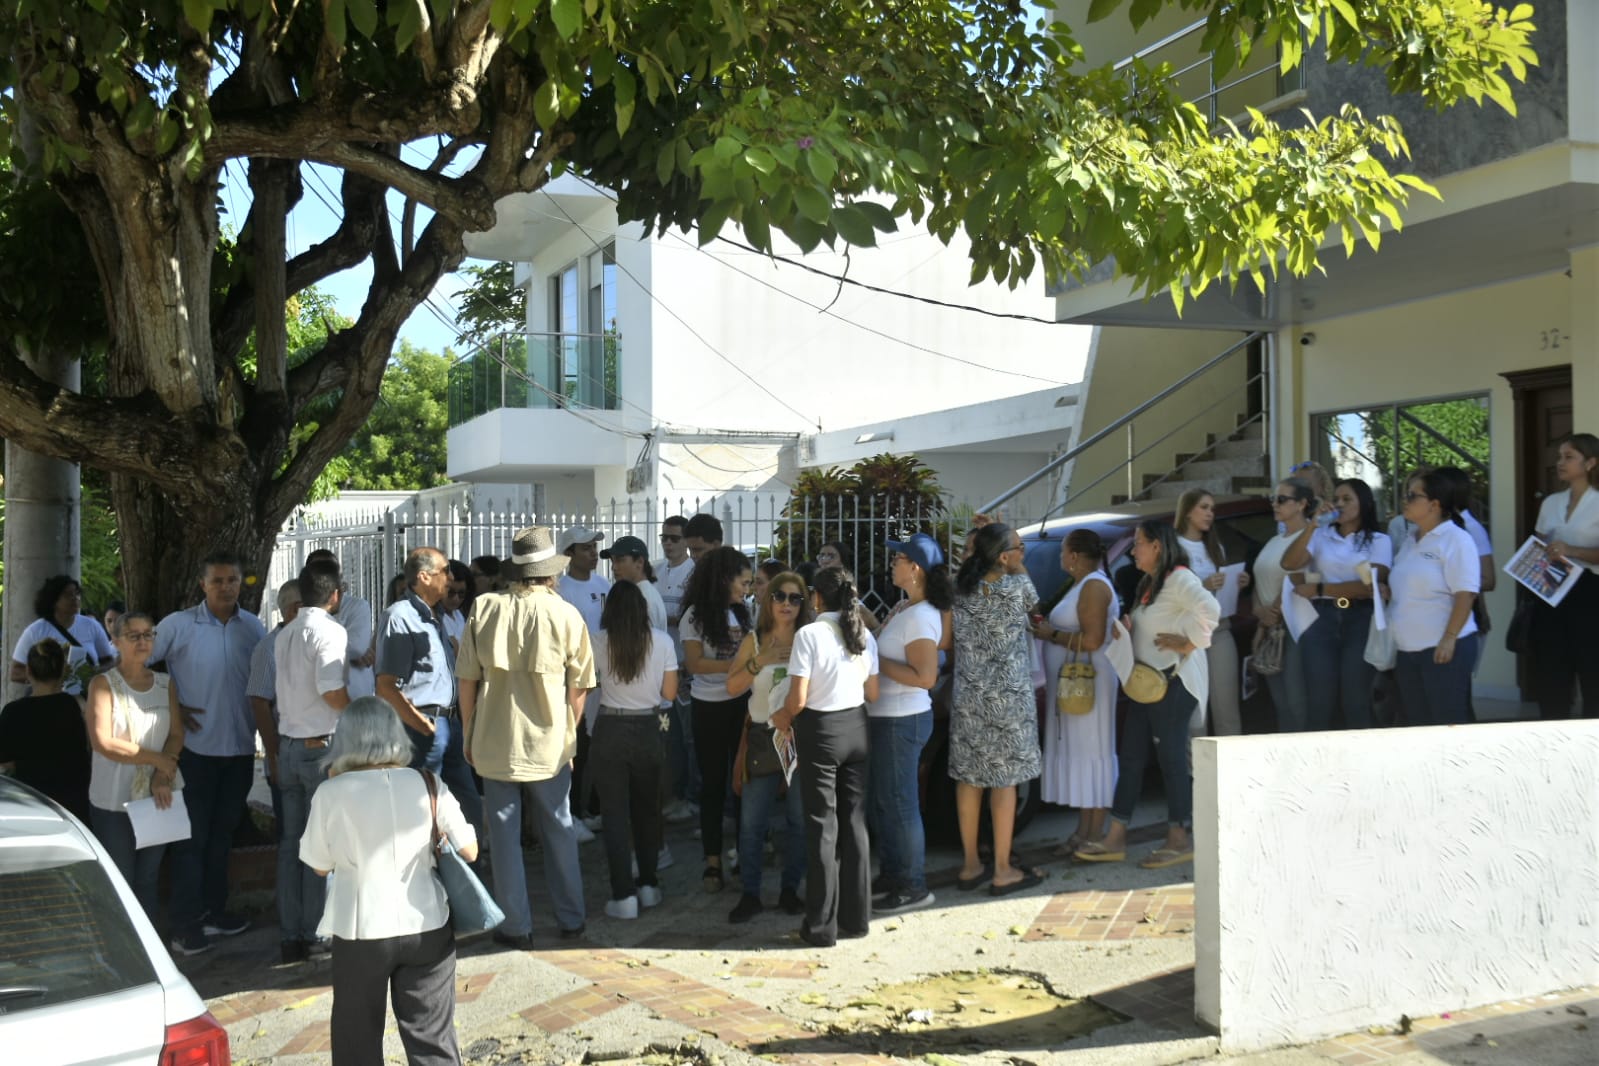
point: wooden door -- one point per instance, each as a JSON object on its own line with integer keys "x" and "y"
{"x": 1543, "y": 420}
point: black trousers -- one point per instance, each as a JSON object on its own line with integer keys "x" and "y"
{"x": 417, "y": 973}
{"x": 1564, "y": 651}
{"x": 833, "y": 749}
{"x": 718, "y": 725}
{"x": 626, "y": 757}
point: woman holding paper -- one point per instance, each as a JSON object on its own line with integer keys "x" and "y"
{"x": 1435, "y": 581}
{"x": 1342, "y": 566}
{"x": 1294, "y": 506}
{"x": 1196, "y": 532}
{"x": 1563, "y": 636}
{"x": 762, "y": 671}
{"x": 136, "y": 735}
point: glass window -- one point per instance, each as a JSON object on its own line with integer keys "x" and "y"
{"x": 1384, "y": 445}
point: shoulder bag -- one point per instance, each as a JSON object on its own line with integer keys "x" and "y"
{"x": 472, "y": 909}
{"x": 1270, "y": 647}
{"x": 760, "y": 753}
{"x": 1074, "y": 687}
{"x": 1518, "y": 634}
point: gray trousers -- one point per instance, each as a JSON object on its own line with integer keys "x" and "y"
{"x": 300, "y": 890}
{"x": 417, "y": 974}
{"x": 552, "y": 809}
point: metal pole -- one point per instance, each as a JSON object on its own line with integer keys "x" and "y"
{"x": 1130, "y": 454}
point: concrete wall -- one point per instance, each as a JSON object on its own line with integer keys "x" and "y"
{"x": 1449, "y": 346}
{"x": 1345, "y": 879}
{"x": 1126, "y": 367}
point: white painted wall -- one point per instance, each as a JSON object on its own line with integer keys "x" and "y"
{"x": 1344, "y": 879}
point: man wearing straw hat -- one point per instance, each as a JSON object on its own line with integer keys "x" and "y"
{"x": 524, "y": 667}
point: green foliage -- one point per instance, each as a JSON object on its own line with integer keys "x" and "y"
{"x": 493, "y": 304}
{"x": 402, "y": 445}
{"x": 879, "y": 499}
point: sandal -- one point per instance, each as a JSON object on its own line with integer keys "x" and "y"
{"x": 1069, "y": 848}
{"x": 1161, "y": 858}
{"x": 711, "y": 879}
{"x": 1028, "y": 879}
{"x": 966, "y": 884}
{"x": 1094, "y": 851}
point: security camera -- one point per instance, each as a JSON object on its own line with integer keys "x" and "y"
{"x": 1307, "y": 339}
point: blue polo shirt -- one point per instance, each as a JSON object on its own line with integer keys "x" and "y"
{"x": 209, "y": 663}
{"x": 414, "y": 649}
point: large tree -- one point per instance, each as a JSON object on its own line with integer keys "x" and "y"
{"x": 825, "y": 121}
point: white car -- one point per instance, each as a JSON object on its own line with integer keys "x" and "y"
{"x": 84, "y": 978}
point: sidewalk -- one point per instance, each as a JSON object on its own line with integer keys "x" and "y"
{"x": 1102, "y": 951}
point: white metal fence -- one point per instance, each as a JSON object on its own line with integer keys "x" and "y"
{"x": 372, "y": 547}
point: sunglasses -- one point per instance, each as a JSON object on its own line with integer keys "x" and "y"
{"x": 794, "y": 599}
{"x": 671, "y": 538}
{"x": 1282, "y": 500}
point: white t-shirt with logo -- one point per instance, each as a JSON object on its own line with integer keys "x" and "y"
{"x": 588, "y": 596}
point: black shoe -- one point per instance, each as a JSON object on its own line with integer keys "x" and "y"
{"x": 790, "y": 902}
{"x": 882, "y": 885}
{"x": 225, "y": 924}
{"x": 748, "y": 907}
{"x": 190, "y": 943}
{"x": 815, "y": 940}
{"x": 901, "y": 900}
{"x": 515, "y": 943}
{"x": 291, "y": 951}
{"x": 574, "y": 934}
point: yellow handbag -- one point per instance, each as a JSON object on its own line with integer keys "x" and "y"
{"x": 1074, "y": 688}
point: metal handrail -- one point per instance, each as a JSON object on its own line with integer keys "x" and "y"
{"x": 1126, "y": 419}
{"x": 1213, "y": 93}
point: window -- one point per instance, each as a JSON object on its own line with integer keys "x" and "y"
{"x": 1384, "y": 445}
{"x": 579, "y": 360}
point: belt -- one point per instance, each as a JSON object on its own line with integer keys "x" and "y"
{"x": 313, "y": 743}
{"x": 629, "y": 712}
{"x": 435, "y": 710}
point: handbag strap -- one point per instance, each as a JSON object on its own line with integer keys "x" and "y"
{"x": 67, "y": 633}
{"x": 433, "y": 810}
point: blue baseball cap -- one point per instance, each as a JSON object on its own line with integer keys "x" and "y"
{"x": 920, "y": 549}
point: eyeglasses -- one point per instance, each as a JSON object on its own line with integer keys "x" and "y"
{"x": 144, "y": 635}
{"x": 671, "y": 538}
{"x": 1412, "y": 497}
{"x": 1015, "y": 547}
{"x": 794, "y": 599}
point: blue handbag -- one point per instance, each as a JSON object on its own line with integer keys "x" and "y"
{"x": 472, "y": 909}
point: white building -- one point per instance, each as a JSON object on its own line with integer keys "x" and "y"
{"x": 657, "y": 368}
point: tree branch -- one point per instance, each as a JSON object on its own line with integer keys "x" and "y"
{"x": 445, "y": 157}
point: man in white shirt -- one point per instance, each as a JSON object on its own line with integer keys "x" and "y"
{"x": 674, "y": 570}
{"x": 263, "y": 691}
{"x": 355, "y": 615}
{"x": 312, "y": 688}
{"x": 586, "y": 590}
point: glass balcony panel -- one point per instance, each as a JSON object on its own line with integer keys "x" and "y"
{"x": 537, "y": 370}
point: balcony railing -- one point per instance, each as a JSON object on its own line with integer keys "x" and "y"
{"x": 537, "y": 370}
{"x": 1254, "y": 83}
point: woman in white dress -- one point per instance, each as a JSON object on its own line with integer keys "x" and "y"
{"x": 1080, "y": 749}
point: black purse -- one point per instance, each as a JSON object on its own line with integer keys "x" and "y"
{"x": 760, "y": 753}
{"x": 1518, "y": 634}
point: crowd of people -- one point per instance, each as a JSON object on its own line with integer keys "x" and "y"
{"x": 534, "y": 693}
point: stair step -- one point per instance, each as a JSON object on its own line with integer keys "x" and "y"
{"x": 1238, "y": 449}
{"x": 1245, "y": 466}
{"x": 1170, "y": 490}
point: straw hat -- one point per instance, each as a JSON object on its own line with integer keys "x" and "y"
{"x": 533, "y": 554}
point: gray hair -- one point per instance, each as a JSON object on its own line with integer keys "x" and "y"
{"x": 369, "y": 734}
{"x": 288, "y": 593}
{"x": 423, "y": 561}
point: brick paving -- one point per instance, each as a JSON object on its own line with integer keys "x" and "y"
{"x": 1100, "y": 916}
{"x": 254, "y": 1004}
{"x": 1478, "y": 1027}
{"x": 313, "y": 1039}
{"x": 1165, "y": 1000}
{"x": 472, "y": 986}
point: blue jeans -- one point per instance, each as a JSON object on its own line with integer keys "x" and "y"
{"x": 1337, "y": 675}
{"x": 214, "y": 790}
{"x": 1166, "y": 723}
{"x": 1289, "y": 694}
{"x": 444, "y": 755}
{"x": 551, "y": 799}
{"x": 893, "y": 806}
{"x": 139, "y": 867}
{"x": 1434, "y": 693}
{"x": 300, "y": 890}
{"x": 755, "y": 812}
{"x": 682, "y": 766}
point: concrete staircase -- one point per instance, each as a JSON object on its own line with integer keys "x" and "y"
{"x": 1235, "y": 465}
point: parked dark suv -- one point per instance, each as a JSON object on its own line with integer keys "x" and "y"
{"x": 1244, "y": 524}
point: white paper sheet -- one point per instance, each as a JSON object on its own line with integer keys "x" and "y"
{"x": 1297, "y": 611}
{"x": 152, "y": 826}
{"x": 1227, "y": 595}
{"x": 787, "y": 754}
{"x": 1120, "y": 652}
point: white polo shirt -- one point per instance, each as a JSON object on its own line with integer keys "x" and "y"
{"x": 837, "y": 679}
{"x": 1581, "y": 530}
{"x": 311, "y": 661}
{"x": 1334, "y": 555}
{"x": 1425, "y": 578}
{"x": 1400, "y": 527}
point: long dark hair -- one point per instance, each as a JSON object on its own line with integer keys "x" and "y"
{"x": 1305, "y": 493}
{"x": 765, "y": 621}
{"x": 1185, "y": 506}
{"x": 44, "y": 604}
{"x": 940, "y": 590}
{"x": 1172, "y": 557}
{"x": 1587, "y": 446}
{"x": 709, "y": 593}
{"x": 459, "y": 571}
{"x": 988, "y": 545}
{"x": 1368, "y": 509}
{"x": 836, "y": 587}
{"x": 626, "y": 621}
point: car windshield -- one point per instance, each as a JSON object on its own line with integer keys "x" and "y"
{"x": 64, "y": 936}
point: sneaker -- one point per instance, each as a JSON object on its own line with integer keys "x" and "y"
{"x": 901, "y": 900}
{"x": 574, "y": 934}
{"x": 622, "y": 908}
{"x": 516, "y": 943}
{"x": 883, "y": 885}
{"x": 790, "y": 902}
{"x": 677, "y": 811}
{"x": 594, "y": 823}
{"x": 649, "y": 895}
{"x": 582, "y": 832}
{"x": 664, "y": 858}
{"x": 748, "y": 907}
{"x": 191, "y": 943}
{"x": 320, "y": 948}
{"x": 291, "y": 951}
{"x": 225, "y": 924}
